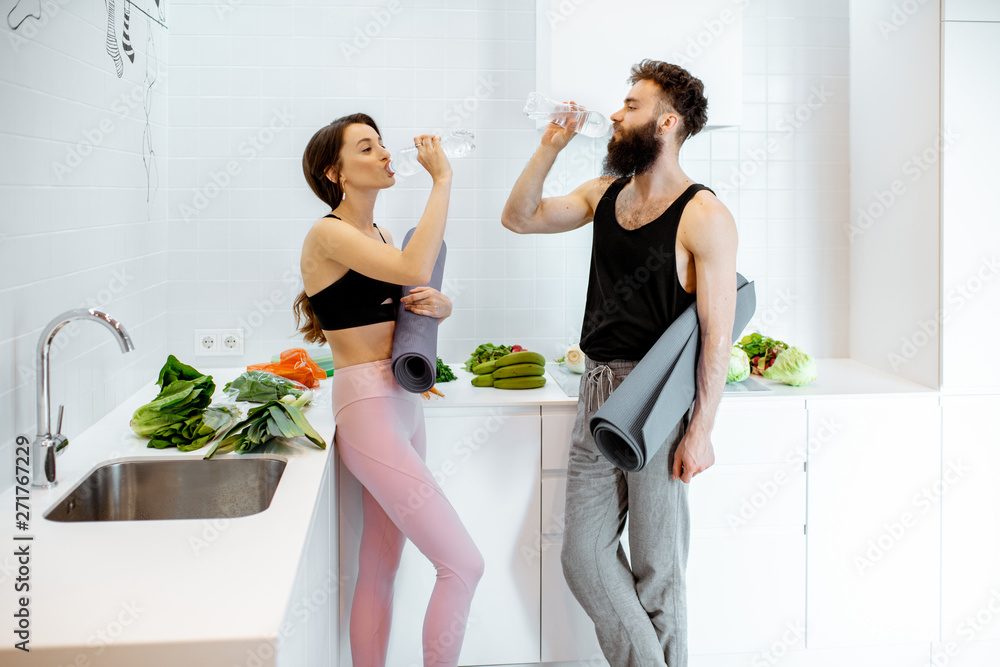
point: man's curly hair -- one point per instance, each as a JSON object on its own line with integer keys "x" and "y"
{"x": 682, "y": 91}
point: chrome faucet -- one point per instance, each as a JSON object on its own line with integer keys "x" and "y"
{"x": 47, "y": 444}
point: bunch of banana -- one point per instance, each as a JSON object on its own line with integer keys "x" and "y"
{"x": 517, "y": 370}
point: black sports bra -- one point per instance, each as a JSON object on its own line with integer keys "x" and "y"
{"x": 354, "y": 300}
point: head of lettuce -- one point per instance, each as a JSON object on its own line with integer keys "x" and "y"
{"x": 792, "y": 366}
{"x": 739, "y": 365}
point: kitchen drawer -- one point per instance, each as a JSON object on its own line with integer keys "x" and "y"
{"x": 735, "y": 497}
{"x": 751, "y": 430}
{"x": 557, "y": 427}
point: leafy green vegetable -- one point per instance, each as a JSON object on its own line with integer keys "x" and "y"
{"x": 739, "y": 365}
{"x": 792, "y": 366}
{"x": 175, "y": 417}
{"x": 263, "y": 423}
{"x": 761, "y": 350}
{"x": 444, "y": 373}
{"x": 261, "y": 387}
{"x": 486, "y": 352}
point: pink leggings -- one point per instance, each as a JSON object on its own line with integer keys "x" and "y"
{"x": 380, "y": 438}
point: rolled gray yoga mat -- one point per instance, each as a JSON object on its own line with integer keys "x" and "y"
{"x": 635, "y": 421}
{"x": 414, "y": 344}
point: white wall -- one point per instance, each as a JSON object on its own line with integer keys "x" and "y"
{"x": 237, "y": 68}
{"x": 76, "y": 229}
{"x": 895, "y": 177}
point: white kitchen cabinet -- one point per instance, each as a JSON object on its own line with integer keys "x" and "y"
{"x": 971, "y": 10}
{"x": 746, "y": 570}
{"x": 966, "y": 654}
{"x": 305, "y": 636}
{"x": 487, "y": 462}
{"x": 874, "y": 521}
{"x": 567, "y": 632}
{"x": 746, "y": 592}
{"x": 913, "y": 655}
{"x": 970, "y": 554}
{"x": 581, "y": 56}
{"x": 971, "y": 225}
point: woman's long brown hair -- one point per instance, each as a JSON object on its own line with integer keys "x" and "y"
{"x": 323, "y": 152}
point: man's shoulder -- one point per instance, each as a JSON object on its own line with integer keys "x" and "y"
{"x": 705, "y": 219}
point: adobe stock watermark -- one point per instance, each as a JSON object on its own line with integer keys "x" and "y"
{"x": 486, "y": 88}
{"x": 461, "y": 452}
{"x": 562, "y": 12}
{"x": 913, "y": 168}
{"x": 922, "y": 502}
{"x": 226, "y": 7}
{"x": 101, "y": 638}
{"x": 795, "y": 632}
{"x": 119, "y": 282}
{"x": 94, "y": 137}
{"x": 712, "y": 29}
{"x": 767, "y": 490}
{"x": 30, "y": 27}
{"x": 381, "y": 17}
{"x": 248, "y": 149}
{"x": 899, "y": 16}
{"x": 789, "y": 124}
{"x": 299, "y": 612}
{"x": 956, "y": 299}
{"x": 782, "y": 303}
{"x": 969, "y": 630}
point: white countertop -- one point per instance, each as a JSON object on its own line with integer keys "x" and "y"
{"x": 230, "y": 580}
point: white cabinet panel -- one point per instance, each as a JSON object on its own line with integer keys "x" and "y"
{"x": 970, "y": 586}
{"x": 737, "y": 497}
{"x": 579, "y": 58}
{"x": 557, "y": 427}
{"x": 567, "y": 631}
{"x": 971, "y": 226}
{"x": 755, "y": 430}
{"x": 874, "y": 521}
{"x": 971, "y": 10}
{"x": 487, "y": 461}
{"x": 966, "y": 654}
{"x": 746, "y": 593}
{"x": 861, "y": 656}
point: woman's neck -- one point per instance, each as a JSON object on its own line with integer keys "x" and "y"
{"x": 356, "y": 211}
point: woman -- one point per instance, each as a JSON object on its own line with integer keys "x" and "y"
{"x": 352, "y": 276}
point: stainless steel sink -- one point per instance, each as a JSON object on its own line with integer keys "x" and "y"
{"x": 149, "y": 489}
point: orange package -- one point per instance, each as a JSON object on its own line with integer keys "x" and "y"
{"x": 294, "y": 364}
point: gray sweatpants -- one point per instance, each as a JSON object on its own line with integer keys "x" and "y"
{"x": 639, "y": 610}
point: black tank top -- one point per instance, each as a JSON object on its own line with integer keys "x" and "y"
{"x": 634, "y": 293}
{"x": 354, "y": 300}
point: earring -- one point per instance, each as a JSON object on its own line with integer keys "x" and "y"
{"x": 343, "y": 190}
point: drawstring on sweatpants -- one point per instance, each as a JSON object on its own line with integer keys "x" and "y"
{"x": 595, "y": 376}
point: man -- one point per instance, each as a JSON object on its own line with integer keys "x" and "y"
{"x": 661, "y": 242}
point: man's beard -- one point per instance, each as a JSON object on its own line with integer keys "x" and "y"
{"x": 632, "y": 152}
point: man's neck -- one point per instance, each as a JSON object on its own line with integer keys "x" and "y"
{"x": 665, "y": 180}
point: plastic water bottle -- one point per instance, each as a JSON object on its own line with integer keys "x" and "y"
{"x": 457, "y": 143}
{"x": 588, "y": 123}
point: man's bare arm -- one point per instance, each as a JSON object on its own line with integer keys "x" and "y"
{"x": 710, "y": 236}
{"x": 526, "y": 212}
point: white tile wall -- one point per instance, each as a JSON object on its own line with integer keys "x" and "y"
{"x": 251, "y": 81}
{"x": 443, "y": 64}
{"x": 77, "y": 229}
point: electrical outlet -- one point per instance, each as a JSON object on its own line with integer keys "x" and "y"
{"x": 231, "y": 342}
{"x": 206, "y": 342}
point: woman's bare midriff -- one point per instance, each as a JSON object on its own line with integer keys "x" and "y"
{"x": 359, "y": 345}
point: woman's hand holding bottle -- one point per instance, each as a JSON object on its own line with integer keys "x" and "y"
{"x": 432, "y": 157}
